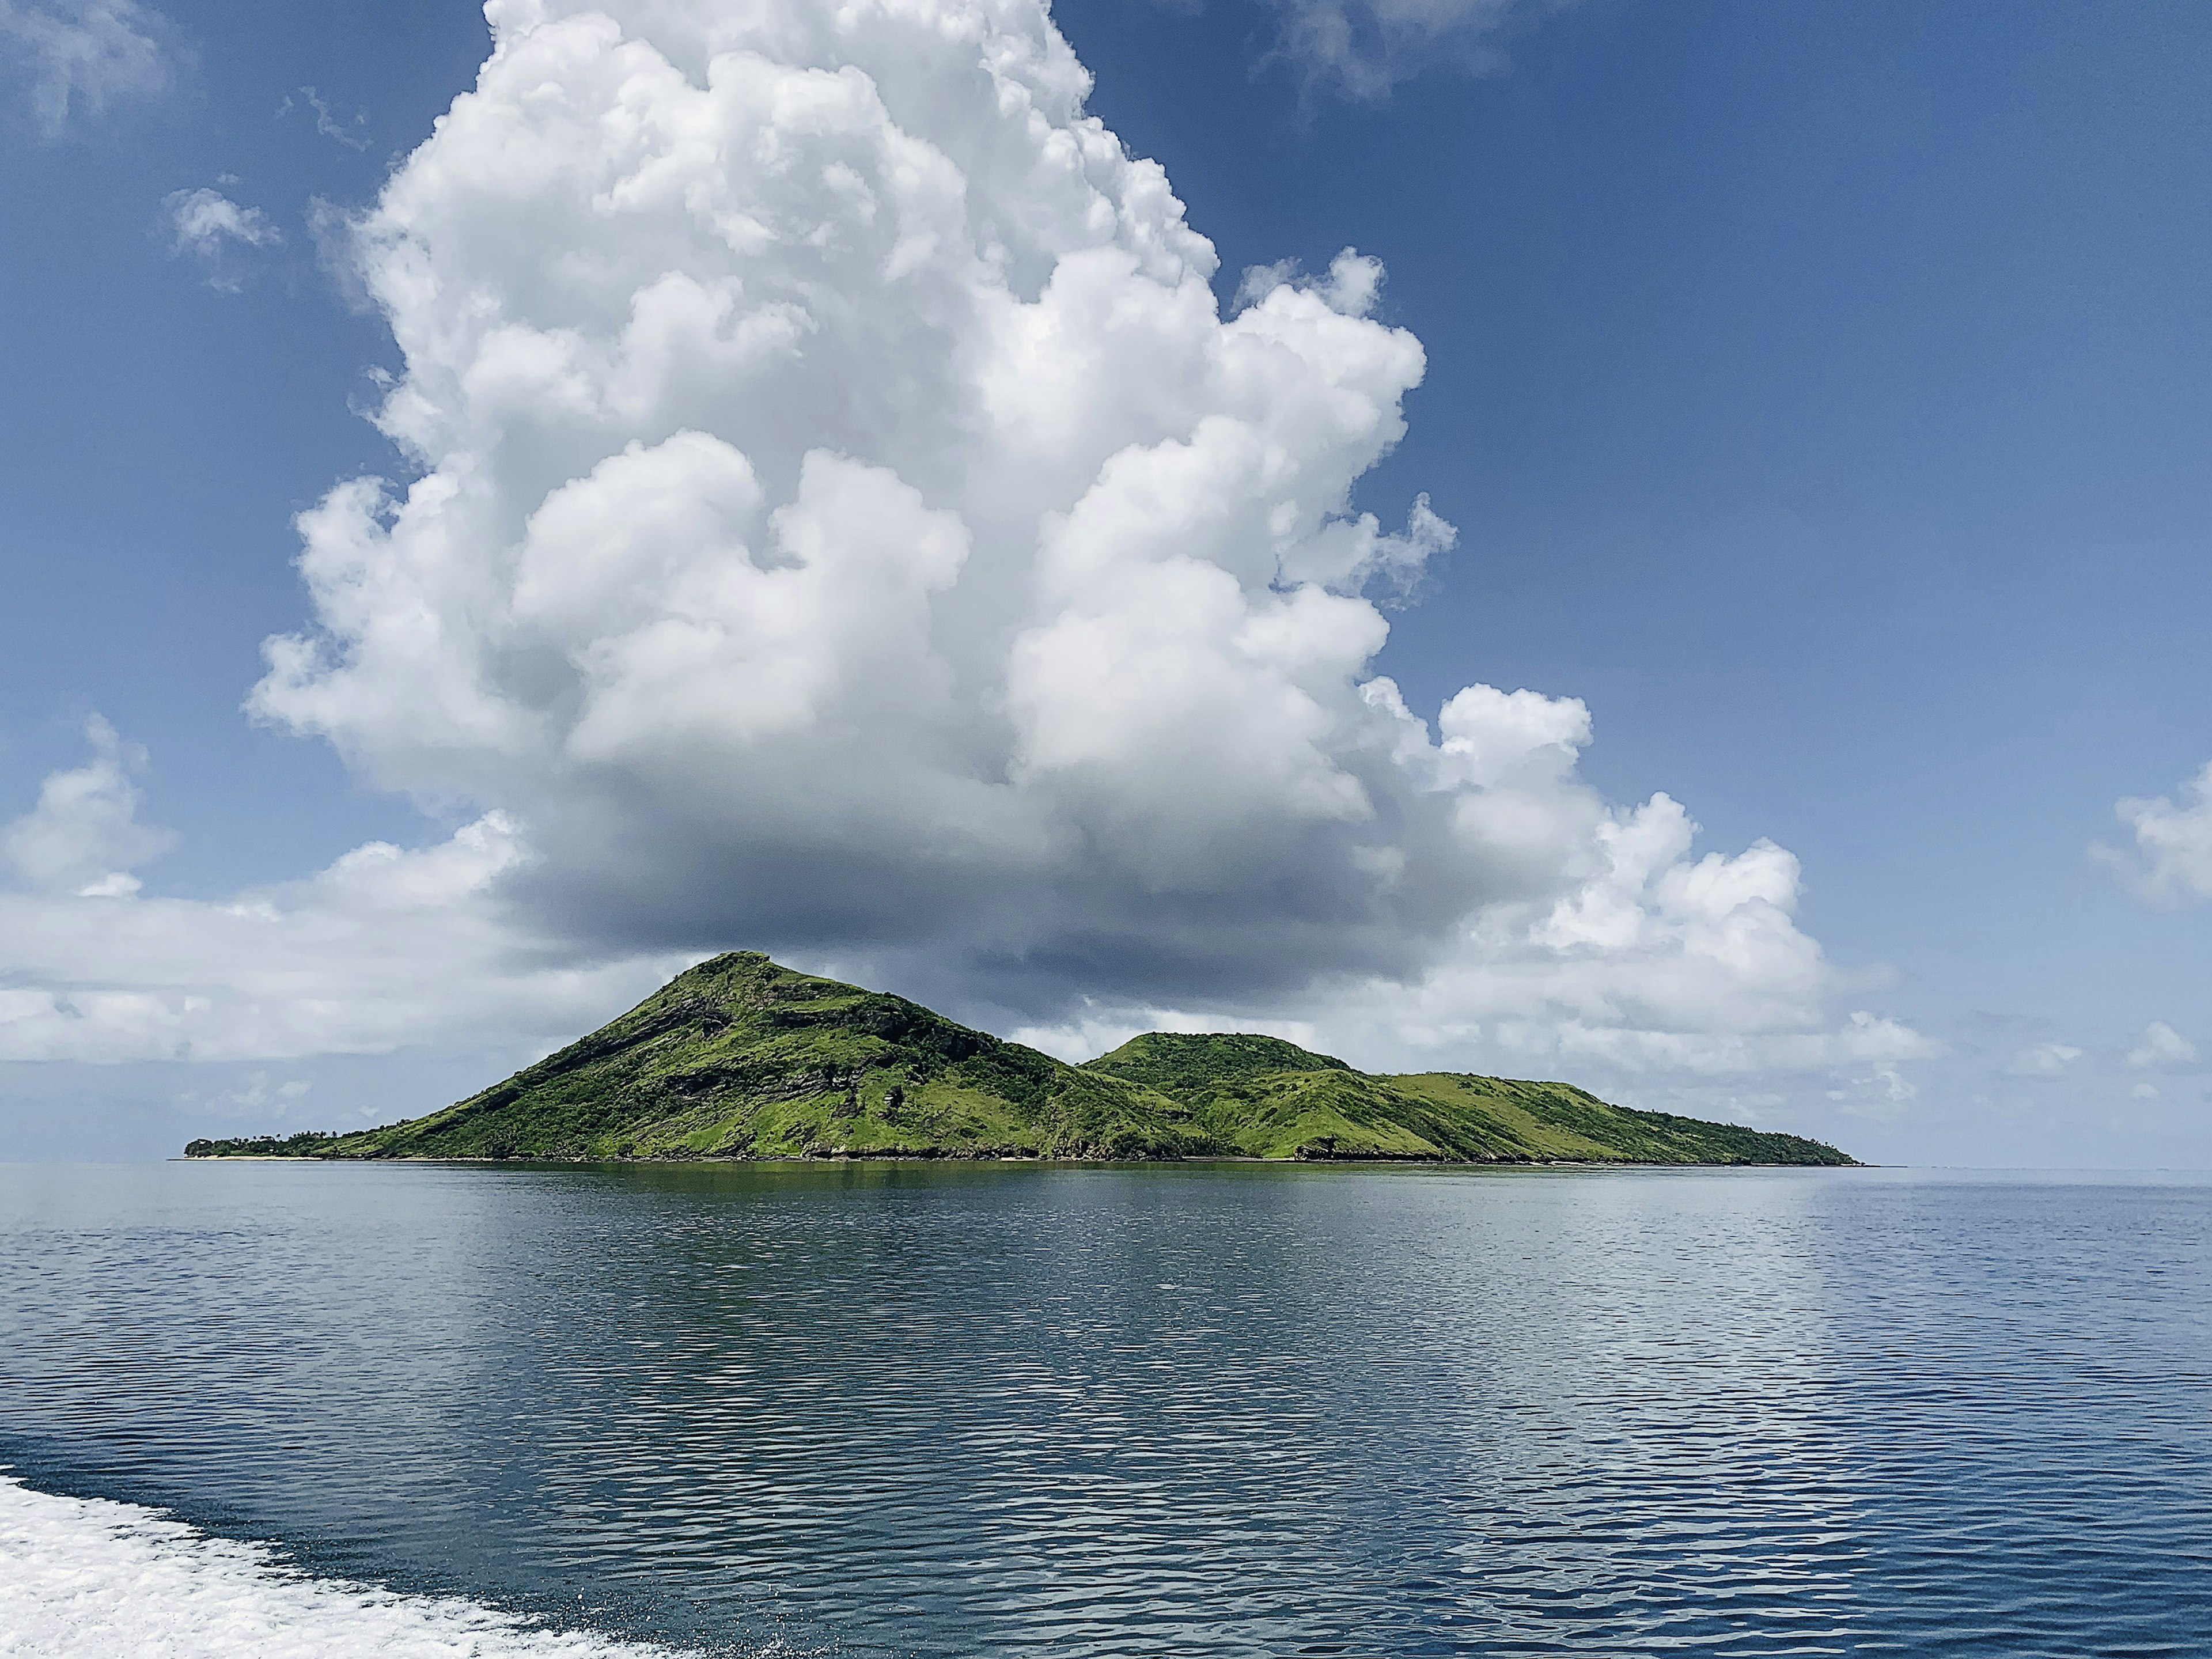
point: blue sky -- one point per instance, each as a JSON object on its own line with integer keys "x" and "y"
{"x": 1819, "y": 394}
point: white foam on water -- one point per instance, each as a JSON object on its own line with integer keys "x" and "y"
{"x": 82, "y": 1577}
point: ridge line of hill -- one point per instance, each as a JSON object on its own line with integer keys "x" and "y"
{"x": 741, "y": 1058}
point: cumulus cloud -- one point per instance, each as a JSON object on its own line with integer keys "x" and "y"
{"x": 2162, "y": 1046}
{"x": 2044, "y": 1060}
{"x": 78, "y": 58}
{"x": 1352, "y": 286}
{"x": 2171, "y": 863}
{"x": 847, "y": 523}
{"x": 83, "y": 837}
{"x": 1361, "y": 49}
{"x": 208, "y": 228}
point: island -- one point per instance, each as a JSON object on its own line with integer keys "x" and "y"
{"x": 741, "y": 1058}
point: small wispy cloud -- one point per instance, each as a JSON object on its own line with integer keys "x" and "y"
{"x": 208, "y": 228}
{"x": 257, "y": 1097}
{"x": 1360, "y": 49}
{"x": 81, "y": 58}
{"x": 351, "y": 134}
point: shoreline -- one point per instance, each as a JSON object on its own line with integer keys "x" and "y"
{"x": 1072, "y": 1162}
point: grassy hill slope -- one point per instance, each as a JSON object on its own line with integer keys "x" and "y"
{"x": 741, "y": 1058}
{"x": 1262, "y": 1097}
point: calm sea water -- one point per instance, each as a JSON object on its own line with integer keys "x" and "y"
{"x": 1206, "y": 1410}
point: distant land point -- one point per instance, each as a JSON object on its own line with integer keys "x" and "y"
{"x": 741, "y": 1058}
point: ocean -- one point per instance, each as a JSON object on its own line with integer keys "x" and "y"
{"x": 1223, "y": 1409}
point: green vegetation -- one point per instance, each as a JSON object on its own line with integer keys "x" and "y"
{"x": 741, "y": 1058}
{"x": 1262, "y": 1098}
{"x": 310, "y": 1143}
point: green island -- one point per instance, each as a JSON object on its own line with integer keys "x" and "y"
{"x": 741, "y": 1058}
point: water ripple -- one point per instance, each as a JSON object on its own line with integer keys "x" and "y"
{"x": 1212, "y": 1410}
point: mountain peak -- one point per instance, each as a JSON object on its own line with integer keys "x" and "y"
{"x": 1172, "y": 1060}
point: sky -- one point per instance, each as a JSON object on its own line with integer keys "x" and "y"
{"x": 1657, "y": 545}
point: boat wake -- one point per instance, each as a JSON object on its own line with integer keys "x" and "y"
{"x": 84, "y": 1577}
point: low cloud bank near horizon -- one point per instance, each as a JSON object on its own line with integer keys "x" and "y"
{"x": 847, "y": 524}
{"x": 385, "y": 950}
{"x": 395, "y": 980}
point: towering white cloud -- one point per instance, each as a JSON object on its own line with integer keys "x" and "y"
{"x": 79, "y": 56}
{"x": 847, "y": 522}
{"x": 2171, "y": 862}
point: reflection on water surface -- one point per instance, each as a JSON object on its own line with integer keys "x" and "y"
{"x": 1208, "y": 1409}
